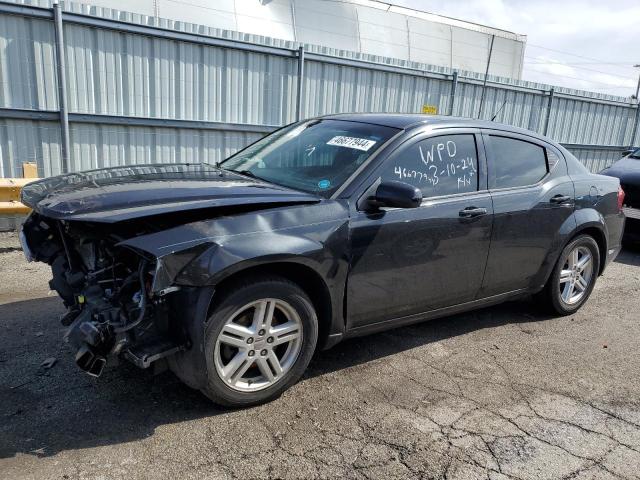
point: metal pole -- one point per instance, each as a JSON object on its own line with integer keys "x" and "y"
{"x": 548, "y": 116}
{"x": 62, "y": 85}
{"x": 300, "y": 83}
{"x": 454, "y": 85}
{"x": 634, "y": 132}
{"x": 637, "y": 87}
{"x": 486, "y": 73}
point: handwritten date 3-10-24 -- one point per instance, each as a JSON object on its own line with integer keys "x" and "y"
{"x": 441, "y": 160}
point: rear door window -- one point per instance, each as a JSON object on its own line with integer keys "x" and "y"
{"x": 516, "y": 163}
{"x": 443, "y": 165}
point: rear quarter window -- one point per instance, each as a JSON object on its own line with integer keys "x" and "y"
{"x": 516, "y": 163}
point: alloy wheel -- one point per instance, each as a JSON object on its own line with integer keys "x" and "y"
{"x": 258, "y": 345}
{"x": 576, "y": 275}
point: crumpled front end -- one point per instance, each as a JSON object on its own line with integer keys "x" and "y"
{"x": 128, "y": 286}
{"x": 116, "y": 306}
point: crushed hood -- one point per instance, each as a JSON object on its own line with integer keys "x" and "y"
{"x": 122, "y": 193}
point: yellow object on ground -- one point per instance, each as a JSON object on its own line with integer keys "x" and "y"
{"x": 10, "y": 189}
{"x": 13, "y": 208}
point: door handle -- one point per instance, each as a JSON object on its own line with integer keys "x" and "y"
{"x": 471, "y": 212}
{"x": 558, "y": 199}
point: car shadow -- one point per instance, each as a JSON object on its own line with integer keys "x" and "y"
{"x": 629, "y": 255}
{"x": 48, "y": 411}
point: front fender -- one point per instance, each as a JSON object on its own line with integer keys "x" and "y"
{"x": 324, "y": 255}
{"x": 222, "y": 260}
{"x": 202, "y": 253}
{"x": 199, "y": 255}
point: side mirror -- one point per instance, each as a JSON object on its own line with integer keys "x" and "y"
{"x": 396, "y": 195}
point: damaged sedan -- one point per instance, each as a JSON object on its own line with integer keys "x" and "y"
{"x": 233, "y": 275}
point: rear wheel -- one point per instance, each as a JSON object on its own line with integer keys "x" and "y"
{"x": 573, "y": 277}
{"x": 258, "y": 341}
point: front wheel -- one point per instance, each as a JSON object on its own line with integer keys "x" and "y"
{"x": 258, "y": 341}
{"x": 573, "y": 277}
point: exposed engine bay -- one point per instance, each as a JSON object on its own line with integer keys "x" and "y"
{"x": 137, "y": 252}
{"x": 112, "y": 310}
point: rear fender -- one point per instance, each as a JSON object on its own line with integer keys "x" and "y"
{"x": 579, "y": 221}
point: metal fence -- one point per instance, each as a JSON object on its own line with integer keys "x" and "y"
{"x": 135, "y": 89}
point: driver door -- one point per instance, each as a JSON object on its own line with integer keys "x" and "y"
{"x": 409, "y": 261}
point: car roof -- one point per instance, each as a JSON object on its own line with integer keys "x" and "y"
{"x": 407, "y": 121}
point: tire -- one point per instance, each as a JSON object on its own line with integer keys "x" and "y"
{"x": 557, "y": 297}
{"x": 240, "y": 317}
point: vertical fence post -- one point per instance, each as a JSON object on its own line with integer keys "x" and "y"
{"x": 300, "y": 83}
{"x": 548, "y": 116}
{"x": 62, "y": 85}
{"x": 486, "y": 74}
{"x": 634, "y": 132}
{"x": 454, "y": 85}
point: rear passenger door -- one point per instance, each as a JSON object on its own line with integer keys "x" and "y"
{"x": 533, "y": 200}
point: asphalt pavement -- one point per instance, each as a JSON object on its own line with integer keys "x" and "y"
{"x": 501, "y": 393}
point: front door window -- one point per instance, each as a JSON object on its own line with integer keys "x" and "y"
{"x": 438, "y": 166}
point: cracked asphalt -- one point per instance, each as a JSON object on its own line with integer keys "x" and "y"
{"x": 500, "y": 393}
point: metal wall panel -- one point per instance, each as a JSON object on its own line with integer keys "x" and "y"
{"x": 274, "y": 21}
{"x": 11, "y": 222}
{"x": 581, "y": 121}
{"x": 383, "y": 33}
{"x": 27, "y": 63}
{"x": 135, "y": 75}
{"x": 219, "y": 14}
{"x": 520, "y": 108}
{"x": 507, "y": 58}
{"x": 29, "y": 141}
{"x": 596, "y": 159}
{"x": 332, "y": 88}
{"x": 334, "y": 24}
{"x": 430, "y": 42}
{"x": 99, "y": 146}
{"x": 111, "y": 72}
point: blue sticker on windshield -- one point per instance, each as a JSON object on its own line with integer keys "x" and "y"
{"x": 324, "y": 184}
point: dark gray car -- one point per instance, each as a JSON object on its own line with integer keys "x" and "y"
{"x": 627, "y": 170}
{"x": 328, "y": 228}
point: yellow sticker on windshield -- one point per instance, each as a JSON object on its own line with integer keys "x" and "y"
{"x": 352, "y": 142}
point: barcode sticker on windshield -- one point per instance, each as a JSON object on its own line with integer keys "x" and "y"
{"x": 352, "y": 142}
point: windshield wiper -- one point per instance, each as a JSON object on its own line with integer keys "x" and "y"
{"x": 246, "y": 173}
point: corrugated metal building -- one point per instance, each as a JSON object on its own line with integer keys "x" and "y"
{"x": 142, "y": 89}
{"x": 363, "y": 26}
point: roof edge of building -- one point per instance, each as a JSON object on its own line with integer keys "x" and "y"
{"x": 434, "y": 17}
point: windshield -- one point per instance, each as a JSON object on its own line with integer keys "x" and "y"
{"x": 316, "y": 156}
{"x": 635, "y": 154}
